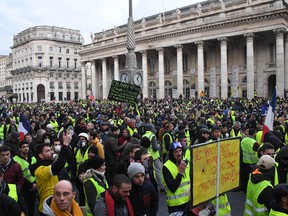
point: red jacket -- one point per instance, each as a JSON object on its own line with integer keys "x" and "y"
{"x": 13, "y": 173}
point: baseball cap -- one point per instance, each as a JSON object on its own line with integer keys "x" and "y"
{"x": 266, "y": 162}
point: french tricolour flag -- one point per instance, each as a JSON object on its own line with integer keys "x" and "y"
{"x": 268, "y": 125}
{"x": 24, "y": 127}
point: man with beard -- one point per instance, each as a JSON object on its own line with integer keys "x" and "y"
{"x": 45, "y": 171}
{"x": 114, "y": 201}
{"x": 143, "y": 196}
{"x": 29, "y": 188}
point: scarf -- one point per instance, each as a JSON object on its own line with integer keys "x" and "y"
{"x": 98, "y": 176}
{"x": 111, "y": 205}
{"x": 75, "y": 209}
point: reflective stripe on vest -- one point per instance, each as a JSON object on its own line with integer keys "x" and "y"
{"x": 252, "y": 207}
{"x": 25, "y": 167}
{"x": 13, "y": 192}
{"x": 224, "y": 206}
{"x": 99, "y": 190}
{"x": 180, "y": 196}
{"x": 249, "y": 156}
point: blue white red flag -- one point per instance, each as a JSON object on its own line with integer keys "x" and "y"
{"x": 24, "y": 127}
{"x": 268, "y": 125}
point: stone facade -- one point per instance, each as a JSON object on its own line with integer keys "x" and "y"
{"x": 46, "y": 64}
{"x": 224, "y": 48}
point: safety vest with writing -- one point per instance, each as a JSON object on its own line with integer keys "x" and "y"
{"x": 99, "y": 190}
{"x": 164, "y": 147}
{"x": 25, "y": 167}
{"x": 79, "y": 158}
{"x": 180, "y": 196}
{"x": 224, "y": 206}
{"x": 252, "y": 207}
{"x": 154, "y": 154}
{"x": 2, "y": 132}
{"x": 249, "y": 156}
{"x": 13, "y": 192}
{"x": 276, "y": 213}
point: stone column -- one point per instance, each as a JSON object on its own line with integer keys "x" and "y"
{"x": 286, "y": 63}
{"x": 83, "y": 81}
{"x": 161, "y": 72}
{"x": 200, "y": 62}
{"x": 280, "y": 77}
{"x": 250, "y": 65}
{"x": 116, "y": 67}
{"x": 93, "y": 78}
{"x": 104, "y": 78}
{"x": 145, "y": 74}
{"x": 179, "y": 70}
{"x": 224, "y": 68}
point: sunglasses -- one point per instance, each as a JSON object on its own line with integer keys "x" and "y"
{"x": 175, "y": 145}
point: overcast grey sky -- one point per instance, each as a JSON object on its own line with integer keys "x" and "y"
{"x": 84, "y": 15}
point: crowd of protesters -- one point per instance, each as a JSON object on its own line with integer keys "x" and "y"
{"x": 126, "y": 154}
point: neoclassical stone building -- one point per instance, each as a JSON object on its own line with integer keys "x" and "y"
{"x": 225, "y": 48}
{"x": 46, "y": 64}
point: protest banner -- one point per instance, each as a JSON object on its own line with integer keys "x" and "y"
{"x": 123, "y": 92}
{"x": 204, "y": 169}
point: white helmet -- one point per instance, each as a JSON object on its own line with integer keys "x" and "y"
{"x": 84, "y": 135}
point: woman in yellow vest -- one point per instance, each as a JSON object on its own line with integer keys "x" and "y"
{"x": 96, "y": 184}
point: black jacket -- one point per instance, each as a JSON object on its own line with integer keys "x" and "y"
{"x": 8, "y": 206}
{"x": 144, "y": 199}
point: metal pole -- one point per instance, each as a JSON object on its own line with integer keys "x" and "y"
{"x": 130, "y": 8}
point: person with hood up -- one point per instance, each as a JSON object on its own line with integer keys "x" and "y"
{"x": 280, "y": 202}
{"x": 259, "y": 189}
{"x": 143, "y": 196}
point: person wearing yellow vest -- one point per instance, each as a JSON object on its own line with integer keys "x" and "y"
{"x": 236, "y": 129}
{"x": 249, "y": 147}
{"x": 46, "y": 169}
{"x": 29, "y": 188}
{"x": 280, "y": 203}
{"x": 54, "y": 123}
{"x": 95, "y": 184}
{"x": 176, "y": 179}
{"x": 2, "y": 126}
{"x": 167, "y": 139}
{"x": 131, "y": 126}
{"x": 153, "y": 151}
{"x": 9, "y": 128}
{"x": 260, "y": 190}
{"x": 13, "y": 192}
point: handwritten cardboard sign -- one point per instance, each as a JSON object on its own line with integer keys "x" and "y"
{"x": 204, "y": 169}
{"x": 123, "y": 92}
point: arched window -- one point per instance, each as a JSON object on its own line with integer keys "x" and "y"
{"x": 152, "y": 90}
{"x": 168, "y": 89}
{"x": 186, "y": 88}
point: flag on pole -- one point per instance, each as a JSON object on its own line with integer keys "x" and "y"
{"x": 24, "y": 127}
{"x": 268, "y": 125}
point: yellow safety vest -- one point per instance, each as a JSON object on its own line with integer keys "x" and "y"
{"x": 180, "y": 196}
{"x": 132, "y": 131}
{"x": 252, "y": 207}
{"x": 224, "y": 206}
{"x": 54, "y": 125}
{"x": 13, "y": 192}
{"x": 154, "y": 154}
{"x": 164, "y": 150}
{"x": 2, "y": 132}
{"x": 249, "y": 156}
{"x": 99, "y": 190}
{"x": 276, "y": 213}
{"x": 25, "y": 167}
{"x": 79, "y": 158}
